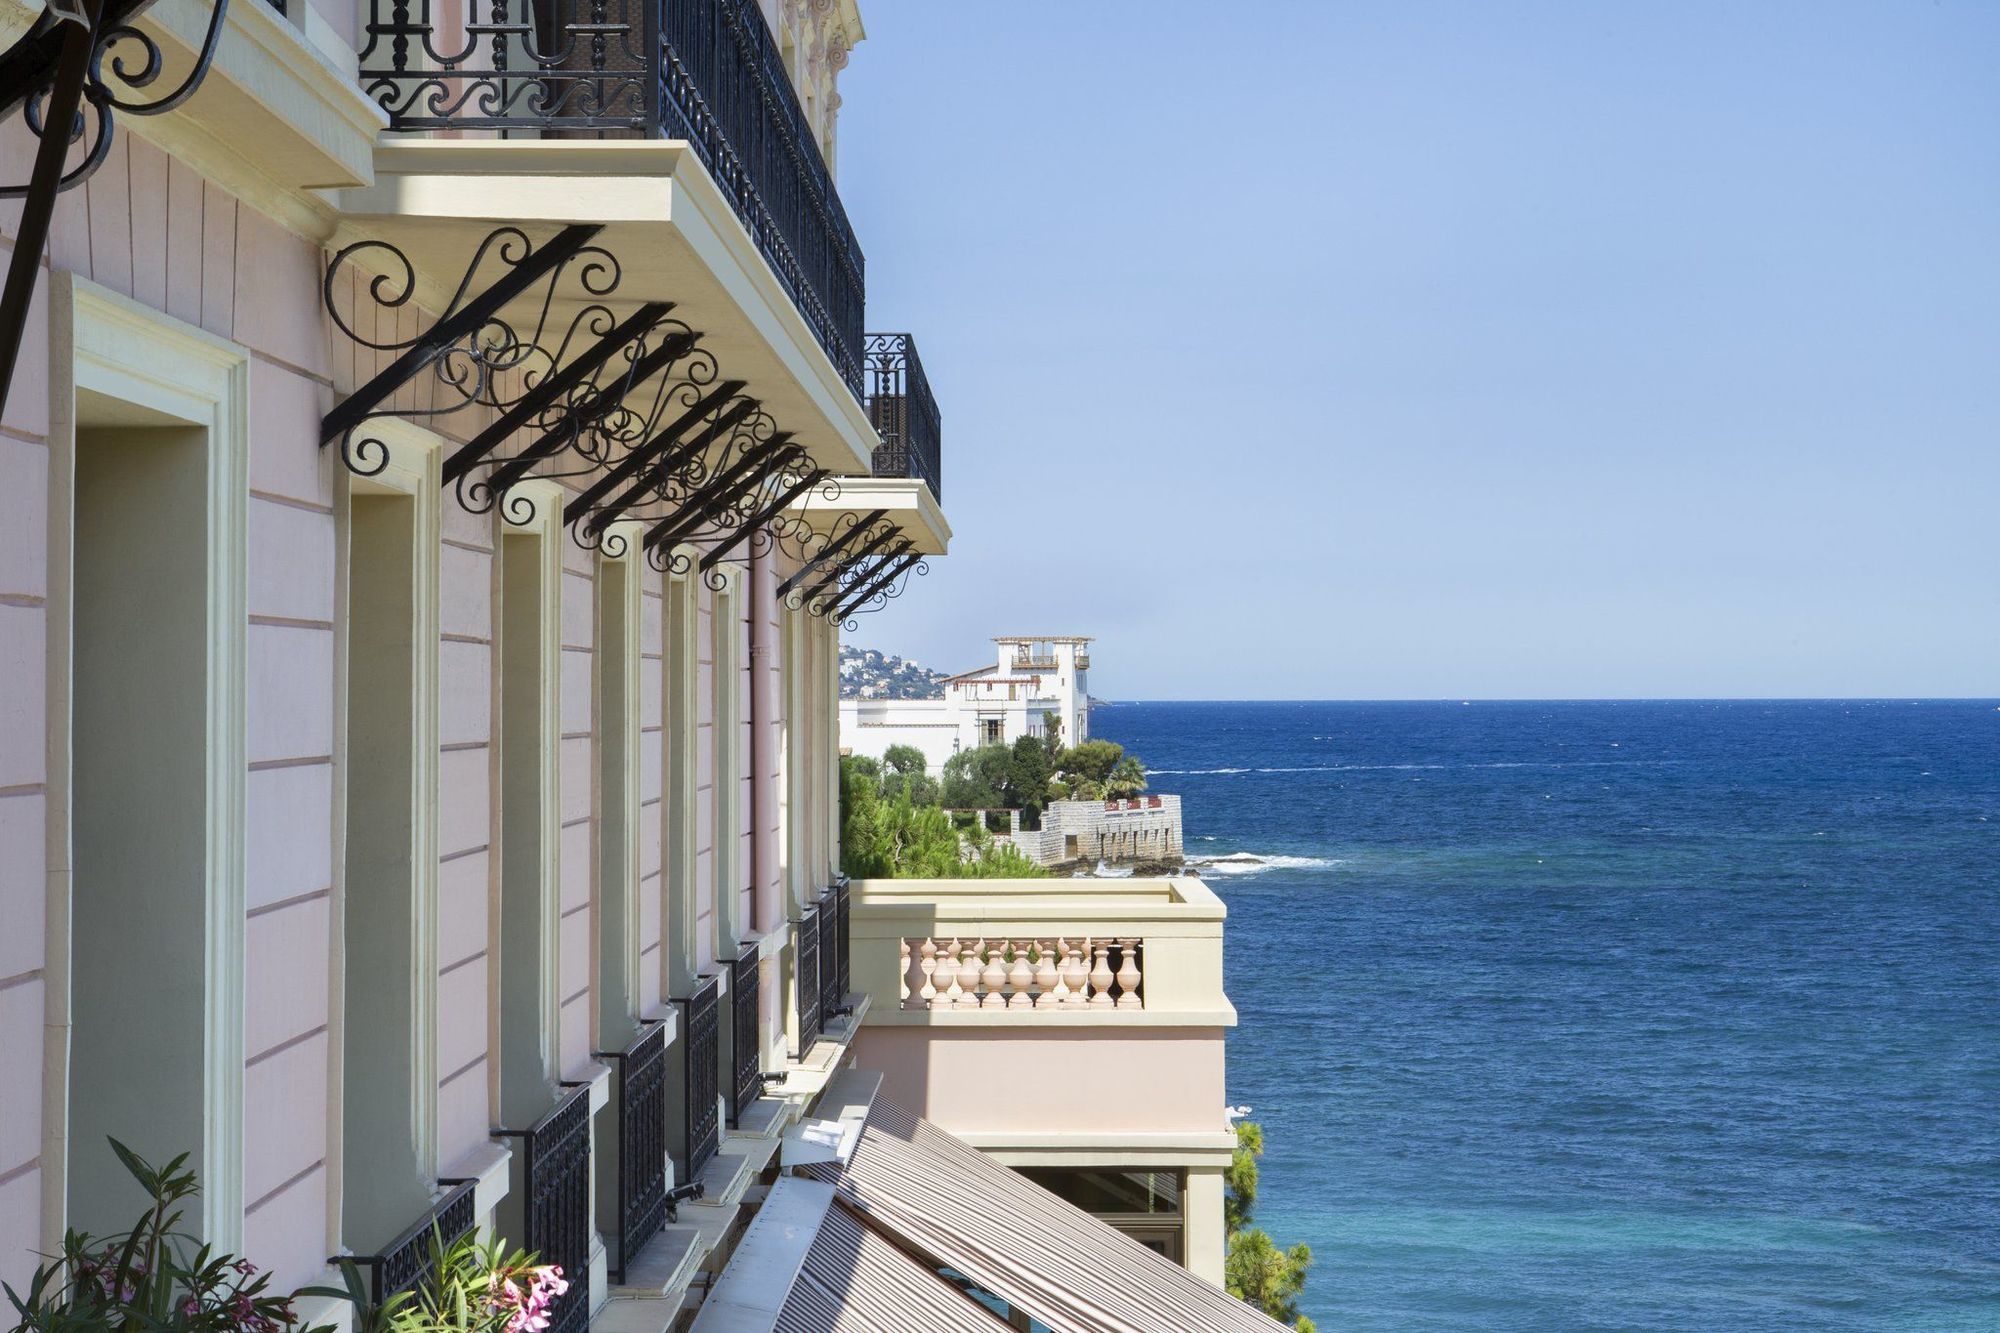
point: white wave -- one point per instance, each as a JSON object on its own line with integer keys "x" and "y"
{"x": 1250, "y": 863}
{"x": 1419, "y": 768}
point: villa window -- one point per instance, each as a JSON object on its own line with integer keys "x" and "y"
{"x": 1145, "y": 1205}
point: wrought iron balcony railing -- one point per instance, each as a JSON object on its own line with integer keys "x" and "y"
{"x": 555, "y": 1174}
{"x": 745, "y": 1014}
{"x": 410, "y": 1261}
{"x": 701, "y": 1116}
{"x": 829, "y": 958}
{"x": 904, "y": 412}
{"x": 808, "y": 967}
{"x": 642, "y": 1141}
{"x": 706, "y": 71}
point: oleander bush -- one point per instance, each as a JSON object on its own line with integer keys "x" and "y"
{"x": 479, "y": 1287}
{"x": 154, "y": 1278}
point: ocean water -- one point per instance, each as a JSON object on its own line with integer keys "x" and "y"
{"x": 1612, "y": 1016}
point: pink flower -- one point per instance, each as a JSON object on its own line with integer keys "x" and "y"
{"x": 190, "y": 1306}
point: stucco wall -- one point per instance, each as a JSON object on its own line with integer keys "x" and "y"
{"x": 1090, "y": 1084}
{"x": 148, "y": 227}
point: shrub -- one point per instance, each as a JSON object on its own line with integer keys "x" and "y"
{"x": 155, "y": 1277}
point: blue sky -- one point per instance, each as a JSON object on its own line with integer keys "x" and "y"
{"x": 1400, "y": 349}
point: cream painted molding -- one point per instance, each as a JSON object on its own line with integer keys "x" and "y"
{"x": 622, "y": 546}
{"x": 533, "y": 509}
{"x": 121, "y": 349}
{"x": 266, "y": 60}
{"x": 415, "y": 458}
{"x": 678, "y": 865}
{"x": 726, "y": 581}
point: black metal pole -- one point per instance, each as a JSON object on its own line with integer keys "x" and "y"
{"x": 40, "y": 204}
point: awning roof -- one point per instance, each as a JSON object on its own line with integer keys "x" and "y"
{"x": 854, "y": 1281}
{"x": 925, "y": 1192}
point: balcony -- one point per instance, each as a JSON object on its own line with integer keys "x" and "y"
{"x": 903, "y": 410}
{"x": 703, "y": 71}
{"x": 1076, "y": 1024}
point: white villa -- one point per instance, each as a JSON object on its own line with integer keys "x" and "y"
{"x": 1036, "y": 682}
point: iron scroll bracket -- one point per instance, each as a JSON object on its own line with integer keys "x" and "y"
{"x": 830, "y": 550}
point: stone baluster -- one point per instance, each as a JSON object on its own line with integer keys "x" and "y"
{"x": 995, "y": 977}
{"x": 1076, "y": 974}
{"x": 948, "y": 969}
{"x": 1021, "y": 979}
{"x": 1048, "y": 978}
{"x": 1128, "y": 975}
{"x": 968, "y": 976}
{"x": 903, "y": 973}
{"x": 929, "y": 962}
{"x": 1100, "y": 975}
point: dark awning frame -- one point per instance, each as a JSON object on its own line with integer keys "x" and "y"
{"x": 630, "y": 405}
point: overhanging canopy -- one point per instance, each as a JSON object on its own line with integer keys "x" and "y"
{"x": 935, "y": 1198}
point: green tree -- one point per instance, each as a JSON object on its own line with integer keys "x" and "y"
{"x": 1091, "y": 761}
{"x": 1028, "y": 774}
{"x": 1255, "y": 1270}
{"x": 976, "y": 779}
{"x": 1239, "y": 1180}
{"x": 904, "y": 768}
{"x": 1128, "y": 778}
{"x": 886, "y": 834}
{"x": 903, "y": 759}
{"x": 1260, "y": 1274}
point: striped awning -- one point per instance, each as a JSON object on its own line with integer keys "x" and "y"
{"x": 949, "y": 1206}
{"x": 854, "y": 1281}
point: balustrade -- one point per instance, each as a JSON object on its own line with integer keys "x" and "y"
{"x": 1022, "y": 975}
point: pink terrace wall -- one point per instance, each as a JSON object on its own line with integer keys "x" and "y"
{"x": 151, "y": 228}
{"x": 1058, "y": 1080}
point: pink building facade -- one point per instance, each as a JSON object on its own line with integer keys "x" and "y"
{"x": 382, "y": 836}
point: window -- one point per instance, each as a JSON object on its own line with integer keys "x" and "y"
{"x": 1145, "y": 1205}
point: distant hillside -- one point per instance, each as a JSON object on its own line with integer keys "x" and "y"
{"x": 868, "y": 674}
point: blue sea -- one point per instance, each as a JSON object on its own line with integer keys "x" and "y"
{"x": 1612, "y": 1015}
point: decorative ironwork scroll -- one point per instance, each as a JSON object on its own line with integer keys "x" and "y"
{"x": 904, "y": 412}
{"x": 745, "y": 1037}
{"x": 702, "y": 1122}
{"x": 880, "y": 590}
{"x": 821, "y": 595}
{"x": 81, "y": 63}
{"x": 705, "y": 71}
{"x": 555, "y": 1164}
{"x": 642, "y": 1141}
